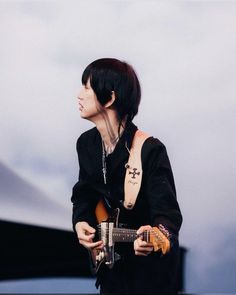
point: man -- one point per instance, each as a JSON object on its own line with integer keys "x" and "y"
{"x": 110, "y": 98}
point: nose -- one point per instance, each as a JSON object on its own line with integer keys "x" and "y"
{"x": 79, "y": 96}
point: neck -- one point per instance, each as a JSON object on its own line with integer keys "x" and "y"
{"x": 108, "y": 127}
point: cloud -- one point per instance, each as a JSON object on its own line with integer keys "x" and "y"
{"x": 184, "y": 54}
{"x": 25, "y": 203}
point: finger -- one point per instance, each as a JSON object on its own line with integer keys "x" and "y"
{"x": 145, "y": 244}
{"x": 143, "y": 228}
{"x": 83, "y": 236}
{"x": 89, "y": 229}
{"x": 98, "y": 247}
{"x": 142, "y": 243}
{"x": 145, "y": 248}
{"x": 85, "y": 227}
{"x": 139, "y": 253}
{"x": 139, "y": 242}
{"x": 144, "y": 252}
{"x": 90, "y": 245}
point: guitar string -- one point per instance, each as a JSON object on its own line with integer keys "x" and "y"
{"x": 120, "y": 231}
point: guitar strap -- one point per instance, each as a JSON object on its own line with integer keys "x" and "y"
{"x": 134, "y": 172}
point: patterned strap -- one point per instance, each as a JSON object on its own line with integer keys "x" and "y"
{"x": 134, "y": 172}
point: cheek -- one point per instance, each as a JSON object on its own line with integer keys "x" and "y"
{"x": 91, "y": 106}
{"x": 95, "y": 103}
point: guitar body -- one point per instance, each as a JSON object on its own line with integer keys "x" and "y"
{"x": 106, "y": 223}
{"x": 101, "y": 212}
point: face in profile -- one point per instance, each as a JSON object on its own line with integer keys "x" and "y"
{"x": 89, "y": 106}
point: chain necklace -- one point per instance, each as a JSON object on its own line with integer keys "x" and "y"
{"x": 104, "y": 164}
{"x": 106, "y": 152}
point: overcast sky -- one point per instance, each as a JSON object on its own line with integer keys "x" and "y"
{"x": 184, "y": 53}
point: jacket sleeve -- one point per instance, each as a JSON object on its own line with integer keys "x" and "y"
{"x": 83, "y": 197}
{"x": 164, "y": 208}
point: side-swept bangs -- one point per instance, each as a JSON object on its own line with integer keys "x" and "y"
{"x": 109, "y": 74}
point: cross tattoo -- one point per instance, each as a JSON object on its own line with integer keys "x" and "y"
{"x": 134, "y": 172}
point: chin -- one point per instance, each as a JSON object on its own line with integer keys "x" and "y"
{"x": 82, "y": 114}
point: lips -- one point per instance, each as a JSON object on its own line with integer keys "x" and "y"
{"x": 80, "y": 107}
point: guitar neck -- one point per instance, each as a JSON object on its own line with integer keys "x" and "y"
{"x": 127, "y": 235}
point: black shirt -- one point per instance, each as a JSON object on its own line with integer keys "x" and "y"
{"x": 156, "y": 204}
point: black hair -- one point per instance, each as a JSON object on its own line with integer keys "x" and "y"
{"x": 110, "y": 74}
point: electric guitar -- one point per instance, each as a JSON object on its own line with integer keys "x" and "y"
{"x": 110, "y": 233}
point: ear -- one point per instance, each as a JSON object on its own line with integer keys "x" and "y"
{"x": 111, "y": 101}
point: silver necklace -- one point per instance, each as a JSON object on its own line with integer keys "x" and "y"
{"x": 104, "y": 164}
{"x": 104, "y": 155}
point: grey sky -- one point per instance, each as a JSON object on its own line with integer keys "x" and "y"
{"x": 185, "y": 55}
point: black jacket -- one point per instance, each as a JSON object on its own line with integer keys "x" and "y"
{"x": 156, "y": 203}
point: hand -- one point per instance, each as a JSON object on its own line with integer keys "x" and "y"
{"x": 86, "y": 234}
{"x": 142, "y": 248}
